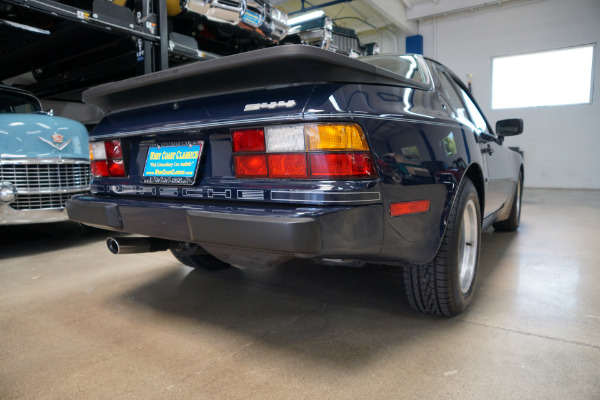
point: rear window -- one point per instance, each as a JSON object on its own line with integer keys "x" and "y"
{"x": 16, "y": 103}
{"x": 405, "y": 65}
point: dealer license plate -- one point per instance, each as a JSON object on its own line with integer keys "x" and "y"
{"x": 173, "y": 163}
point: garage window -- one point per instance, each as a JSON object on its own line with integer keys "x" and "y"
{"x": 548, "y": 78}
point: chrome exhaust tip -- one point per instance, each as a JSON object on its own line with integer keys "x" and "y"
{"x": 132, "y": 245}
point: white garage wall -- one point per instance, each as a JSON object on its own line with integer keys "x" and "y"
{"x": 562, "y": 143}
{"x": 389, "y": 41}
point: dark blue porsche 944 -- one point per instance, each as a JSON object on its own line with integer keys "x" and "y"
{"x": 294, "y": 151}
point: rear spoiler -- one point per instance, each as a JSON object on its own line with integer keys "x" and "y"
{"x": 281, "y": 65}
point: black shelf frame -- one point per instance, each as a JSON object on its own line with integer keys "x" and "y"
{"x": 150, "y": 30}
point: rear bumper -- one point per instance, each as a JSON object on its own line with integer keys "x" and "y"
{"x": 333, "y": 232}
{"x": 10, "y": 216}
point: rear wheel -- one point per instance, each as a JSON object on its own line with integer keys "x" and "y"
{"x": 194, "y": 256}
{"x": 514, "y": 219}
{"x": 445, "y": 286}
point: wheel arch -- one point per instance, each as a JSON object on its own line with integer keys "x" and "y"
{"x": 522, "y": 169}
{"x": 475, "y": 174}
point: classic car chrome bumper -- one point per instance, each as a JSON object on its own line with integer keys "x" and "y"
{"x": 9, "y": 216}
{"x": 34, "y": 190}
{"x": 336, "y": 232}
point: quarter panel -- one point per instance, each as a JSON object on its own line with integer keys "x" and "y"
{"x": 421, "y": 153}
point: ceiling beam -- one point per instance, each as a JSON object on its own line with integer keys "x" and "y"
{"x": 436, "y": 7}
{"x": 394, "y": 12}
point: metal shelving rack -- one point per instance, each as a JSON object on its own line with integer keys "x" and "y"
{"x": 83, "y": 43}
{"x": 150, "y": 27}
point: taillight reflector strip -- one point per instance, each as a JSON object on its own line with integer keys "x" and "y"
{"x": 409, "y": 207}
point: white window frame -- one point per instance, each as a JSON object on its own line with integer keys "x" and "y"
{"x": 512, "y": 93}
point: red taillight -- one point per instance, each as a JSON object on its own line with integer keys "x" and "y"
{"x": 113, "y": 149}
{"x": 341, "y": 165}
{"x": 316, "y": 151}
{"x": 287, "y": 165}
{"x": 107, "y": 159}
{"x": 246, "y": 140}
{"x": 116, "y": 168}
{"x": 250, "y": 166}
{"x": 100, "y": 168}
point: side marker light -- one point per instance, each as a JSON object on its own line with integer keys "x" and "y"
{"x": 409, "y": 207}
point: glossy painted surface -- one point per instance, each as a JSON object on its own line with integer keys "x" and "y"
{"x": 41, "y": 135}
{"x": 420, "y": 148}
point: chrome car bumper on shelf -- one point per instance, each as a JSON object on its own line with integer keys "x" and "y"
{"x": 229, "y": 11}
{"x": 256, "y": 15}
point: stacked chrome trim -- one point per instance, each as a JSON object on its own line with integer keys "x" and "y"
{"x": 229, "y": 11}
{"x": 275, "y": 24}
{"x": 256, "y": 15}
{"x": 44, "y": 184}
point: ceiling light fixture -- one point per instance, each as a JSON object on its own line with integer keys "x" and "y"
{"x": 306, "y": 17}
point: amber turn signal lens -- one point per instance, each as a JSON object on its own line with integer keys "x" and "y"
{"x": 409, "y": 207}
{"x": 336, "y": 137}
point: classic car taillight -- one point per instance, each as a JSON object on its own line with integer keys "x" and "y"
{"x": 315, "y": 151}
{"x": 107, "y": 159}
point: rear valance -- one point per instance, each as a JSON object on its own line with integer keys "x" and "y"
{"x": 283, "y": 65}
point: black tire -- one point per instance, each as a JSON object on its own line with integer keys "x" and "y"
{"x": 193, "y": 256}
{"x": 445, "y": 286}
{"x": 514, "y": 219}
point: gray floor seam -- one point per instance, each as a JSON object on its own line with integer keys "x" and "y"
{"x": 597, "y": 347}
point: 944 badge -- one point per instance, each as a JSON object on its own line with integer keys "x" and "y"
{"x": 270, "y": 106}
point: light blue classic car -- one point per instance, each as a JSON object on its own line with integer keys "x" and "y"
{"x": 44, "y": 160}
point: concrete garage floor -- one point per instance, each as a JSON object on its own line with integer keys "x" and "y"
{"x": 77, "y": 322}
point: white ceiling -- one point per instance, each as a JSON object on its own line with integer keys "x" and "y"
{"x": 397, "y": 15}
